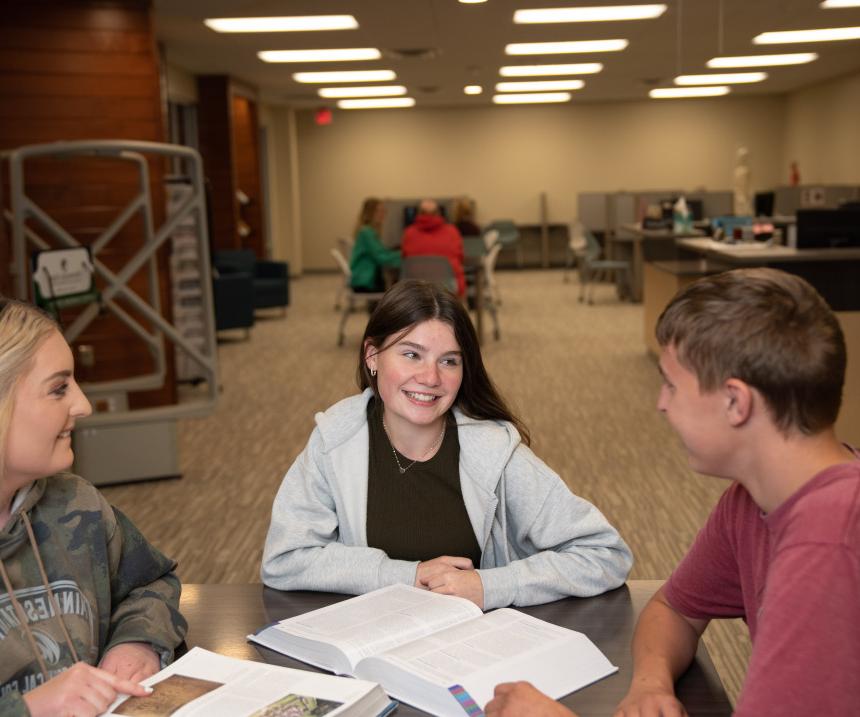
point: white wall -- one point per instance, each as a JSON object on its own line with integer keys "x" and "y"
{"x": 823, "y": 132}
{"x": 505, "y": 157}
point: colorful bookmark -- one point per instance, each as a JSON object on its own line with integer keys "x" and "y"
{"x": 464, "y": 699}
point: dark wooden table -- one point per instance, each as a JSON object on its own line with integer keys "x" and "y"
{"x": 220, "y": 616}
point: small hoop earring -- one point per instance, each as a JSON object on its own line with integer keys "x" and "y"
{"x": 373, "y": 372}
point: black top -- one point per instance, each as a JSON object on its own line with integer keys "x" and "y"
{"x": 419, "y": 514}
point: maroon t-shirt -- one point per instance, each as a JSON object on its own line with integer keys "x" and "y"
{"x": 794, "y": 577}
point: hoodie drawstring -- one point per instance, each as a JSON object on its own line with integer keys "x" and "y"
{"x": 19, "y": 611}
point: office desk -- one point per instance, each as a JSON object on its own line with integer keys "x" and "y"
{"x": 645, "y": 245}
{"x": 220, "y": 616}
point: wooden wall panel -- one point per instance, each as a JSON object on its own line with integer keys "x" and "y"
{"x": 87, "y": 69}
{"x": 214, "y": 131}
{"x": 246, "y": 160}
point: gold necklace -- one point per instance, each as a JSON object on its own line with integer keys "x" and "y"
{"x": 430, "y": 450}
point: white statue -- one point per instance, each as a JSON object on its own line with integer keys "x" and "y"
{"x": 743, "y": 200}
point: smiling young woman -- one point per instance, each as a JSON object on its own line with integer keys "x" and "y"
{"x": 90, "y": 608}
{"x": 426, "y": 478}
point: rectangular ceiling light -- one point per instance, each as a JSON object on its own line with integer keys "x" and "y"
{"x": 375, "y": 91}
{"x": 823, "y": 35}
{"x": 346, "y": 76}
{"x": 529, "y": 98}
{"x": 788, "y": 58}
{"x": 375, "y": 104}
{"x": 539, "y": 86}
{"x": 343, "y": 54}
{"x": 666, "y": 93}
{"x": 560, "y": 48}
{"x": 580, "y": 68}
{"x": 829, "y": 4}
{"x": 728, "y": 78}
{"x": 589, "y": 14}
{"x": 298, "y": 23}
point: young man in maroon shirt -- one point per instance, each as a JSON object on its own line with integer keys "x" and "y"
{"x": 753, "y": 363}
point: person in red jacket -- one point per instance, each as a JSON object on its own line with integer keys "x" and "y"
{"x": 431, "y": 235}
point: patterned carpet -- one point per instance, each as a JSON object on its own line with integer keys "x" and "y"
{"x": 578, "y": 375}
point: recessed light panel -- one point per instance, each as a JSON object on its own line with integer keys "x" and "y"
{"x": 539, "y": 86}
{"x": 578, "y": 68}
{"x": 298, "y": 23}
{"x": 829, "y": 34}
{"x": 530, "y": 98}
{"x": 788, "y": 58}
{"x": 473, "y": 90}
{"x": 343, "y": 54}
{"x": 346, "y": 76}
{"x": 830, "y": 4}
{"x": 373, "y": 91}
{"x": 667, "y": 93}
{"x": 376, "y": 104}
{"x": 727, "y": 78}
{"x": 589, "y": 14}
{"x": 560, "y": 48}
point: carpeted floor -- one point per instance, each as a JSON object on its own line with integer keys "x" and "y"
{"x": 579, "y": 376}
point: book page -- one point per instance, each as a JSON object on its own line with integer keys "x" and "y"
{"x": 379, "y": 620}
{"x": 501, "y": 646}
{"x": 204, "y": 683}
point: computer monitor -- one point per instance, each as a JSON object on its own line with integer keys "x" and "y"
{"x": 763, "y": 204}
{"x": 828, "y": 228}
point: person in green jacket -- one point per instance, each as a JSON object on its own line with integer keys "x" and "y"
{"x": 88, "y": 607}
{"x": 369, "y": 254}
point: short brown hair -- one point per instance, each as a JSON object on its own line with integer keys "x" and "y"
{"x": 407, "y": 304}
{"x": 768, "y": 328}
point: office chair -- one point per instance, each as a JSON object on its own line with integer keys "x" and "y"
{"x": 436, "y": 269}
{"x": 344, "y": 245}
{"x": 588, "y": 252}
{"x": 349, "y": 294}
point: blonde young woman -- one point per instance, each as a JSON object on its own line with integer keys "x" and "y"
{"x": 87, "y": 607}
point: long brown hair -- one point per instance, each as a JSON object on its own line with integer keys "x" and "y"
{"x": 411, "y": 302}
{"x": 367, "y": 215}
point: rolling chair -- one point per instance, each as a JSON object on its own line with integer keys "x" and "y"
{"x": 436, "y": 269}
{"x": 587, "y": 251}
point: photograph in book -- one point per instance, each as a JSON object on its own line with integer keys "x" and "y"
{"x": 167, "y": 696}
{"x": 206, "y": 684}
{"x": 435, "y": 651}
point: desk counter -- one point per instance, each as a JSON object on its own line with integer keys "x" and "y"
{"x": 220, "y": 616}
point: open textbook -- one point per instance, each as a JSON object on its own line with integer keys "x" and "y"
{"x": 437, "y": 652}
{"x": 206, "y": 684}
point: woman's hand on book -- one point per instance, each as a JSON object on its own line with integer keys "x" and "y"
{"x": 451, "y": 575}
{"x": 515, "y": 699}
{"x": 82, "y": 690}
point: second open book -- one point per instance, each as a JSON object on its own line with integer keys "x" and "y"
{"x": 438, "y": 653}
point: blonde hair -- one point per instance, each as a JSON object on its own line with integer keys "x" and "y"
{"x": 23, "y": 329}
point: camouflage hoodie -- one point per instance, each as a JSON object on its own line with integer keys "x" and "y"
{"x": 109, "y": 584}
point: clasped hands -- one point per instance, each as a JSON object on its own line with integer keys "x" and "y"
{"x": 86, "y": 691}
{"x": 451, "y": 575}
